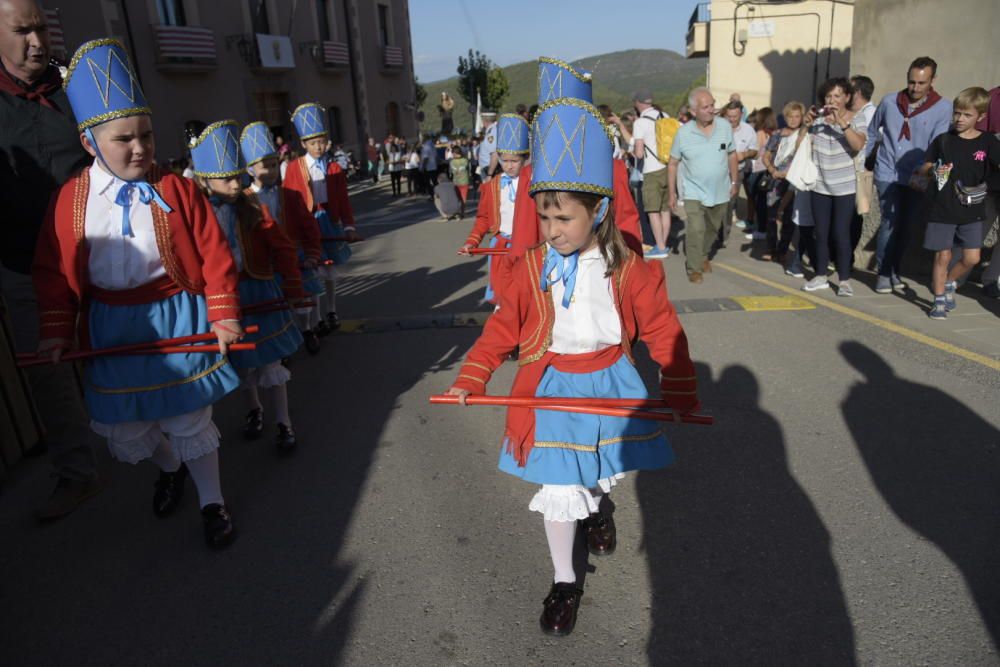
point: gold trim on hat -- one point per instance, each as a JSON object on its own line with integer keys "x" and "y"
{"x": 208, "y": 130}
{"x": 565, "y": 65}
{"x": 243, "y": 135}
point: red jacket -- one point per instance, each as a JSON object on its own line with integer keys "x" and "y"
{"x": 299, "y": 225}
{"x": 488, "y": 214}
{"x": 526, "y": 318}
{"x": 266, "y": 249}
{"x": 298, "y": 191}
{"x": 192, "y": 247}
{"x": 527, "y": 235}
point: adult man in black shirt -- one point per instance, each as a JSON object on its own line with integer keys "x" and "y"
{"x": 39, "y": 149}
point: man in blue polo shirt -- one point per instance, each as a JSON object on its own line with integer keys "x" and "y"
{"x": 904, "y": 125}
{"x": 711, "y": 178}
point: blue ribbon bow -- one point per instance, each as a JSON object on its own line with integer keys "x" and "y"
{"x": 147, "y": 194}
{"x": 564, "y": 267}
{"x": 506, "y": 182}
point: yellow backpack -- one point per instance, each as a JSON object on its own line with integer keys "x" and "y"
{"x": 666, "y": 129}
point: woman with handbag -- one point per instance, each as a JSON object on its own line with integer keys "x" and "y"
{"x": 838, "y": 135}
{"x": 772, "y": 186}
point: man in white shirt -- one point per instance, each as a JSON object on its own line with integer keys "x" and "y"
{"x": 745, "y": 142}
{"x": 655, "y": 199}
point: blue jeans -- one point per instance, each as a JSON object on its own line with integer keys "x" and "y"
{"x": 899, "y": 204}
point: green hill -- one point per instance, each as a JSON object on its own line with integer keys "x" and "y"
{"x": 616, "y": 76}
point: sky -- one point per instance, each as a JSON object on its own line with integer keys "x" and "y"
{"x": 512, "y": 31}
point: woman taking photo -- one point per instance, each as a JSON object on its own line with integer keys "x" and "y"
{"x": 838, "y": 135}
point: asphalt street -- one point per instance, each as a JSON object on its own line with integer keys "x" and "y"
{"x": 842, "y": 511}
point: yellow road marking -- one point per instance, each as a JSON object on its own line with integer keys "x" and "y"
{"x": 871, "y": 319}
{"x": 763, "y": 303}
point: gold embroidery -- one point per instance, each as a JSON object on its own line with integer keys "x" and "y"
{"x": 57, "y": 323}
{"x": 474, "y": 364}
{"x": 277, "y": 333}
{"x": 228, "y": 306}
{"x": 567, "y": 144}
{"x": 566, "y": 66}
{"x": 80, "y": 195}
{"x": 262, "y": 148}
{"x": 307, "y": 121}
{"x": 57, "y": 312}
{"x": 580, "y": 104}
{"x": 469, "y": 377}
{"x": 555, "y": 444}
{"x": 512, "y": 135}
{"x": 166, "y": 385}
{"x": 572, "y": 187}
{"x": 230, "y": 295}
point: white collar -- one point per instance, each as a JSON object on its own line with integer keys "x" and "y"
{"x": 310, "y": 161}
{"x": 592, "y": 254}
{"x": 101, "y": 180}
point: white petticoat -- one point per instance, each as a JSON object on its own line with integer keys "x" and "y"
{"x": 569, "y": 502}
{"x": 269, "y": 375}
{"x": 192, "y": 435}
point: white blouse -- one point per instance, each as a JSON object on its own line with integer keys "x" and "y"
{"x": 119, "y": 262}
{"x": 591, "y": 322}
{"x": 507, "y": 207}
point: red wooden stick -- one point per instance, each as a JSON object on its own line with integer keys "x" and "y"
{"x": 610, "y": 407}
{"x": 122, "y": 349}
{"x": 489, "y": 251}
{"x": 339, "y": 239}
{"x": 160, "y": 349}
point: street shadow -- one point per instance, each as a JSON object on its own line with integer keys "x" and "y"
{"x": 935, "y": 462}
{"x": 739, "y": 558}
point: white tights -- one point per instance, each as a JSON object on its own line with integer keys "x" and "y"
{"x": 561, "y": 536}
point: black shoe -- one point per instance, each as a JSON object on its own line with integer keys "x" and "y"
{"x": 219, "y": 529}
{"x": 285, "y": 441}
{"x": 333, "y": 320}
{"x": 559, "y": 609}
{"x": 254, "y": 424}
{"x": 322, "y": 328}
{"x": 602, "y": 538}
{"x": 169, "y": 491}
{"x": 311, "y": 341}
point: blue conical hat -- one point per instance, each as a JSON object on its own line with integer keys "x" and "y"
{"x": 557, "y": 78}
{"x": 101, "y": 84}
{"x": 216, "y": 151}
{"x": 571, "y": 149}
{"x": 257, "y": 143}
{"x": 309, "y": 120}
{"x": 513, "y": 135}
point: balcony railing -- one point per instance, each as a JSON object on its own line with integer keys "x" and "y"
{"x": 334, "y": 54}
{"x": 699, "y": 29}
{"x": 185, "y": 47}
{"x": 392, "y": 57}
{"x": 262, "y": 52}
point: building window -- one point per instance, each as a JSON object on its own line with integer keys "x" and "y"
{"x": 383, "y": 25}
{"x": 171, "y": 12}
{"x": 333, "y": 122}
{"x": 258, "y": 17}
{"x": 392, "y": 118}
{"x": 323, "y": 20}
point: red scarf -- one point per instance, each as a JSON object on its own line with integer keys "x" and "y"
{"x": 39, "y": 91}
{"x": 903, "y": 102}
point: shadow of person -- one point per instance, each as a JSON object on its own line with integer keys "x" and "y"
{"x": 739, "y": 559}
{"x": 935, "y": 462}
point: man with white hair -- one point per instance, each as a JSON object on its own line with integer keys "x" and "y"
{"x": 705, "y": 147}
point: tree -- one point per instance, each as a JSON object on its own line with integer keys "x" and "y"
{"x": 497, "y": 89}
{"x": 473, "y": 73}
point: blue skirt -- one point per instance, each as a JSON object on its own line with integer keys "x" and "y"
{"x": 278, "y": 337}
{"x": 338, "y": 251}
{"x": 148, "y": 387}
{"x": 573, "y": 448}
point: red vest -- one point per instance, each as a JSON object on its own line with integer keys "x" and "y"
{"x": 298, "y": 191}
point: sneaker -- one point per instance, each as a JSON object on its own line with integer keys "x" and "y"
{"x": 897, "y": 283}
{"x": 949, "y": 296}
{"x": 658, "y": 253}
{"x": 748, "y": 236}
{"x": 845, "y": 289}
{"x": 795, "y": 273}
{"x": 939, "y": 311}
{"x": 817, "y": 283}
{"x": 740, "y": 224}
{"x": 883, "y": 285}
{"x": 67, "y": 496}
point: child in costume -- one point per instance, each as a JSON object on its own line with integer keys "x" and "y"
{"x": 320, "y": 185}
{"x": 558, "y": 79}
{"x": 261, "y": 155}
{"x": 259, "y": 247}
{"x": 576, "y": 305}
{"x": 131, "y": 254}
{"x": 497, "y": 197}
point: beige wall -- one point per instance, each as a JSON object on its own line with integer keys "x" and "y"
{"x": 798, "y": 46}
{"x": 959, "y": 34}
{"x": 232, "y": 88}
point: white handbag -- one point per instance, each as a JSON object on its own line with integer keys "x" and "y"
{"x": 802, "y": 173}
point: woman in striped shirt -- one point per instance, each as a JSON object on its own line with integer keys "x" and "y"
{"x": 838, "y": 136}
